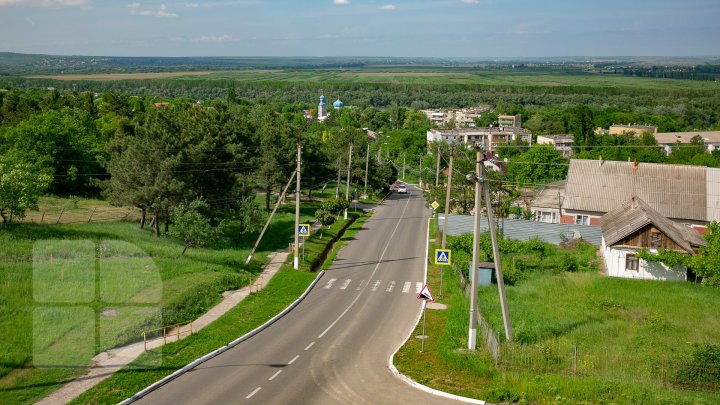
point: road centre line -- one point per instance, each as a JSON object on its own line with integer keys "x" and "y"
{"x": 275, "y": 375}
{"x": 293, "y": 360}
{"x": 360, "y": 286}
{"x": 377, "y": 266}
{"x": 253, "y": 393}
{"x": 309, "y": 346}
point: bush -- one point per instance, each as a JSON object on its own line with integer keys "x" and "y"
{"x": 334, "y": 205}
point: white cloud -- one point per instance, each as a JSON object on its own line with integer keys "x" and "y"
{"x": 213, "y": 38}
{"x": 341, "y": 2}
{"x": 388, "y": 7}
{"x": 161, "y": 12}
{"x": 44, "y": 3}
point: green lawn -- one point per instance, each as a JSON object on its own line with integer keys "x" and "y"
{"x": 69, "y": 291}
{"x": 621, "y": 328}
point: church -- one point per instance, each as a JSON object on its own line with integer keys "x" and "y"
{"x": 322, "y": 108}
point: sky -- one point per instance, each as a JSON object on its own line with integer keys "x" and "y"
{"x": 399, "y": 28}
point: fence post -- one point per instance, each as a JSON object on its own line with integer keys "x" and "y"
{"x": 164, "y": 335}
{"x": 497, "y": 350}
{"x": 145, "y": 340}
{"x": 91, "y": 214}
{"x": 178, "y": 332}
{"x": 42, "y": 217}
{"x": 662, "y": 371}
{"x": 574, "y": 360}
{"x": 60, "y": 216}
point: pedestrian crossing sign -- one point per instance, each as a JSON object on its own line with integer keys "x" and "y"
{"x": 442, "y": 257}
{"x": 304, "y": 230}
{"x": 435, "y": 205}
{"x": 425, "y": 294}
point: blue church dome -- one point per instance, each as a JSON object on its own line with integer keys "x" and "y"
{"x": 338, "y": 104}
{"x": 322, "y": 99}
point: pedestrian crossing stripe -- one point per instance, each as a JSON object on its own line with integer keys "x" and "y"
{"x": 425, "y": 294}
{"x": 304, "y": 230}
{"x": 442, "y": 257}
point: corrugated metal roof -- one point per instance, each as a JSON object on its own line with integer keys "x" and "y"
{"x": 636, "y": 214}
{"x": 520, "y": 229}
{"x": 686, "y": 137}
{"x": 712, "y": 188}
{"x": 675, "y": 191}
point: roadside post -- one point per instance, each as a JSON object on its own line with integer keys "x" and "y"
{"x": 303, "y": 232}
{"x": 442, "y": 258}
{"x": 426, "y": 296}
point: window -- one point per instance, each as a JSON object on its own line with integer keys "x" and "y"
{"x": 547, "y": 217}
{"x": 582, "y": 220}
{"x": 655, "y": 239}
{"x": 632, "y": 263}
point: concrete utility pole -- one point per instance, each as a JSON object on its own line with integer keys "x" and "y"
{"x": 472, "y": 333}
{"x": 559, "y": 209}
{"x": 367, "y": 164}
{"x": 420, "y": 176}
{"x": 496, "y": 256}
{"x": 347, "y": 183}
{"x": 296, "y": 258}
{"x": 437, "y": 169}
{"x": 403, "y": 177}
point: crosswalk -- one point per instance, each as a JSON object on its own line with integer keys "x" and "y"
{"x": 373, "y": 285}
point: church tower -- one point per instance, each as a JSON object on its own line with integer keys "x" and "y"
{"x": 322, "y": 109}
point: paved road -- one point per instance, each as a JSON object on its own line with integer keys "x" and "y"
{"x": 334, "y": 347}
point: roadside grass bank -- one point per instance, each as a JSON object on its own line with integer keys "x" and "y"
{"x": 617, "y": 326}
{"x": 97, "y": 268}
{"x": 252, "y": 312}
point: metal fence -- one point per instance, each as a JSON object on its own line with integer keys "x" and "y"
{"x": 521, "y": 229}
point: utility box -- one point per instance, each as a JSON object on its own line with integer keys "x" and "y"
{"x": 485, "y": 273}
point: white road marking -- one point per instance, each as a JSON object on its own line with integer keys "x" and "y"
{"x": 345, "y": 284}
{"x": 362, "y": 282}
{"x": 253, "y": 393}
{"x": 376, "y": 285}
{"x": 293, "y": 360}
{"x": 406, "y": 287}
{"x": 390, "y": 286}
{"x": 309, "y": 346}
{"x": 330, "y": 283}
{"x": 275, "y": 375}
{"x": 418, "y": 287}
{"x": 377, "y": 266}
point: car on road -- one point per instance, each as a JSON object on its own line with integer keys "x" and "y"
{"x": 402, "y": 190}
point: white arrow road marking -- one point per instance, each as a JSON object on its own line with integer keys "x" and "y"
{"x": 376, "y": 285}
{"x": 390, "y": 286}
{"x": 330, "y": 283}
{"x": 345, "y": 284}
{"x": 406, "y": 287}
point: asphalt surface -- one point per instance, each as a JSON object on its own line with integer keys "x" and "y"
{"x": 333, "y": 348}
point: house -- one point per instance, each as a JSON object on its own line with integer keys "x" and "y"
{"x": 547, "y": 204}
{"x": 670, "y": 140}
{"x": 510, "y": 120}
{"x": 634, "y": 226}
{"x": 561, "y": 143}
{"x": 689, "y": 195}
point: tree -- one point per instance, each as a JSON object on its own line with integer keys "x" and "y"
{"x": 540, "y": 163}
{"x": 194, "y": 228}
{"x": 706, "y": 263}
{"x": 20, "y": 187}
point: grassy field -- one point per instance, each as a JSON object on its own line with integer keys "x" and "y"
{"x": 69, "y": 291}
{"x": 620, "y": 328}
{"x": 283, "y": 289}
{"x": 418, "y": 76}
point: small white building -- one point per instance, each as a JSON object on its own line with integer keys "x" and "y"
{"x": 561, "y": 143}
{"x": 635, "y": 226}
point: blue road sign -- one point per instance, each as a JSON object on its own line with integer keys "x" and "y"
{"x": 304, "y": 230}
{"x": 442, "y": 257}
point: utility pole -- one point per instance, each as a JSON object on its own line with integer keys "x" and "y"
{"x": 496, "y": 256}
{"x": 472, "y": 333}
{"x": 347, "y": 183}
{"x": 437, "y": 169}
{"x": 559, "y": 209}
{"x": 296, "y": 259}
{"x": 420, "y": 177}
{"x": 447, "y": 200}
{"x": 403, "y": 176}
{"x": 367, "y": 164}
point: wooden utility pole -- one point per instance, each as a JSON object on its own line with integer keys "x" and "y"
{"x": 420, "y": 176}
{"x": 296, "y": 258}
{"x": 437, "y": 169}
{"x": 403, "y": 174}
{"x": 367, "y": 164}
{"x": 347, "y": 183}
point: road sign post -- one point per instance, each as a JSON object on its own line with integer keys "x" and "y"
{"x": 426, "y": 296}
{"x": 303, "y": 231}
{"x": 442, "y": 258}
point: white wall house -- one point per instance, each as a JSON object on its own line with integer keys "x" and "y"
{"x": 622, "y": 262}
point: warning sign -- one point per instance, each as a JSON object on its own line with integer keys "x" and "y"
{"x": 442, "y": 257}
{"x": 304, "y": 230}
{"x": 425, "y": 294}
